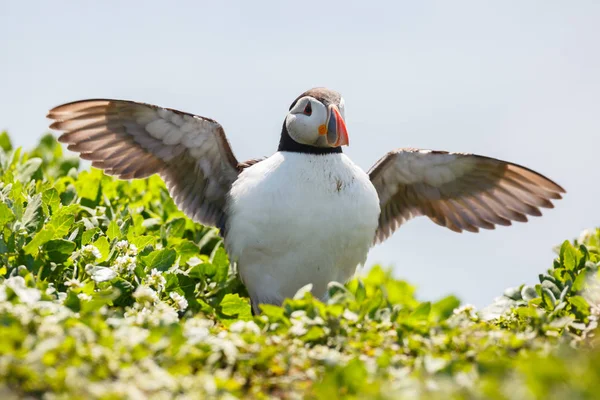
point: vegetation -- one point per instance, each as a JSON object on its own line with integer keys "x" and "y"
{"x": 108, "y": 291}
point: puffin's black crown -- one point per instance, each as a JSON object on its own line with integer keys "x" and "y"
{"x": 324, "y": 95}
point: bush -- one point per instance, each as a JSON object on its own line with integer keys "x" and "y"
{"x": 108, "y": 291}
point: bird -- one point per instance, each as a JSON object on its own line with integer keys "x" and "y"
{"x": 307, "y": 215}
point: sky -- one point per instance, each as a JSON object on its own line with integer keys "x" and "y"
{"x": 514, "y": 80}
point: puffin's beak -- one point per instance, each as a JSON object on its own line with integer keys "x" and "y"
{"x": 337, "y": 135}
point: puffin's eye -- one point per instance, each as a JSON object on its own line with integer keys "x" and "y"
{"x": 308, "y": 109}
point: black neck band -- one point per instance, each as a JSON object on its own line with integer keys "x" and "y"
{"x": 286, "y": 143}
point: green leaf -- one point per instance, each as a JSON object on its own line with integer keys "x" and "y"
{"x": 16, "y": 157}
{"x": 400, "y": 292}
{"x": 175, "y": 227}
{"x": 125, "y": 289}
{"x": 63, "y": 220}
{"x": 88, "y": 235}
{"x": 88, "y": 184}
{"x": 422, "y": 311}
{"x": 52, "y": 199}
{"x": 113, "y": 232}
{"x": 233, "y": 305}
{"x": 162, "y": 260}
{"x": 580, "y": 281}
{"x": 43, "y": 236}
{"x": 361, "y": 293}
{"x": 186, "y": 250}
{"x": 444, "y": 308}
{"x": 569, "y": 255}
{"x": 547, "y": 284}
{"x": 528, "y": 293}
{"x": 142, "y": 241}
{"x": 315, "y": 333}
{"x": 5, "y": 142}
{"x": 6, "y": 215}
{"x": 221, "y": 263}
{"x": 25, "y": 171}
{"x": 102, "y": 244}
{"x": 100, "y": 299}
{"x": 72, "y": 301}
{"x": 33, "y": 214}
{"x": 274, "y": 313}
{"x": 580, "y": 306}
{"x": 548, "y": 298}
{"x": 59, "y": 250}
{"x": 354, "y": 376}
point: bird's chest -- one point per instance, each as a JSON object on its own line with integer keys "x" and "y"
{"x": 291, "y": 197}
{"x": 305, "y": 215}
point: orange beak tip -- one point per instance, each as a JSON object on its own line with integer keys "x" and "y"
{"x": 338, "y": 126}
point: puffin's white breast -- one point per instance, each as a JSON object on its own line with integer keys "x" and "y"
{"x": 295, "y": 219}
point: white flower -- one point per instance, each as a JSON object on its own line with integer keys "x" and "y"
{"x": 100, "y": 274}
{"x": 193, "y": 261}
{"x": 155, "y": 314}
{"x": 349, "y": 315}
{"x": 230, "y": 350}
{"x": 73, "y": 283}
{"x": 157, "y": 280}
{"x": 244, "y": 326}
{"x": 125, "y": 263}
{"x": 197, "y": 330}
{"x": 145, "y": 294}
{"x": 19, "y": 287}
{"x": 298, "y": 328}
{"x": 210, "y": 386}
{"x": 122, "y": 245}
{"x": 163, "y": 314}
{"x": 302, "y": 291}
{"x": 298, "y": 314}
{"x": 468, "y": 309}
{"x": 90, "y": 250}
{"x": 50, "y": 289}
{"x": 130, "y": 336}
{"x": 327, "y": 355}
{"x": 179, "y": 300}
{"x": 84, "y": 297}
{"x": 585, "y": 235}
{"x": 133, "y": 249}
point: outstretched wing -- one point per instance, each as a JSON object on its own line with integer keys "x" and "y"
{"x": 135, "y": 140}
{"x": 456, "y": 190}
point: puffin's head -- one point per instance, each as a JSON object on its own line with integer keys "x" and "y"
{"x": 316, "y": 118}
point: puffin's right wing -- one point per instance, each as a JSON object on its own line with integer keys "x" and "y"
{"x": 456, "y": 190}
{"x": 135, "y": 140}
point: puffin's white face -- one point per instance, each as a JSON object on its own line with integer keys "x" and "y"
{"x": 310, "y": 122}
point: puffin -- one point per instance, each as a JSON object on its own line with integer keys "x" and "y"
{"x": 306, "y": 215}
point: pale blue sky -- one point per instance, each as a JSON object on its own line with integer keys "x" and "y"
{"x": 515, "y": 80}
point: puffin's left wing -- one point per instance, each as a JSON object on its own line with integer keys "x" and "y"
{"x": 456, "y": 190}
{"x": 135, "y": 140}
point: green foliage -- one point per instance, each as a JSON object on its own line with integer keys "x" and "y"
{"x": 108, "y": 291}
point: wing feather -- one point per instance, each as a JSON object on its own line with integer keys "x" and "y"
{"x": 135, "y": 140}
{"x": 457, "y": 190}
